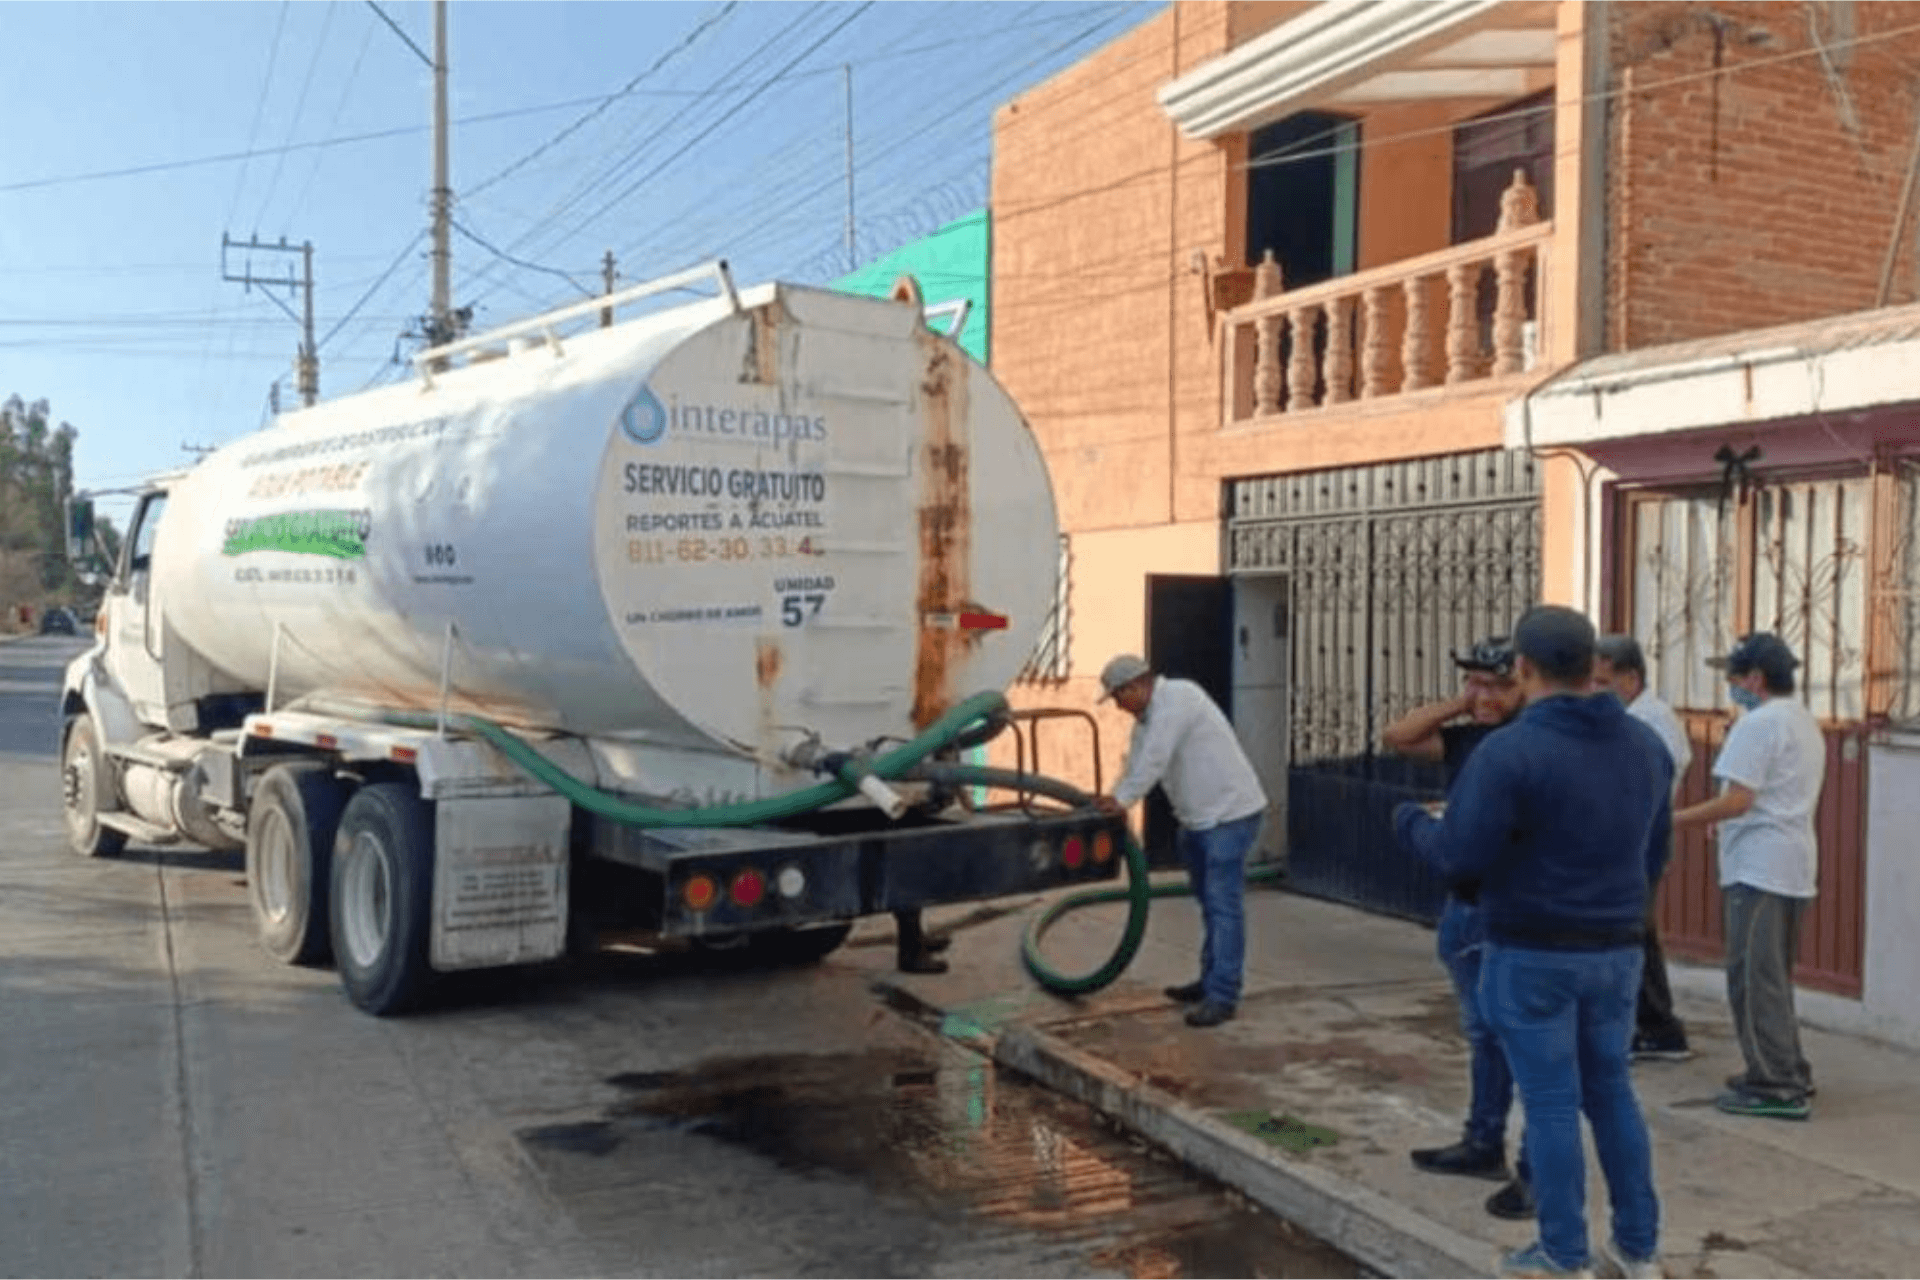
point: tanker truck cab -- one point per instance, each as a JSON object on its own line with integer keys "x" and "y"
{"x": 674, "y": 628}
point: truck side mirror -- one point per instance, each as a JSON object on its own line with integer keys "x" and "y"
{"x": 79, "y": 527}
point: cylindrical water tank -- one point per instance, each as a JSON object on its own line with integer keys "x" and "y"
{"x": 719, "y": 525}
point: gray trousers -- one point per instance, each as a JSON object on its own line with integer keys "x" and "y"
{"x": 1763, "y": 935}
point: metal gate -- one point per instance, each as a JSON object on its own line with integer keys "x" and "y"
{"x": 1389, "y": 567}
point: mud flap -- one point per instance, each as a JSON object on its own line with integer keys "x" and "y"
{"x": 499, "y": 881}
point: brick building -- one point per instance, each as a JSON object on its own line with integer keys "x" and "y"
{"x": 1286, "y": 290}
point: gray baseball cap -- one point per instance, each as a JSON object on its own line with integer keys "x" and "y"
{"x": 1123, "y": 670}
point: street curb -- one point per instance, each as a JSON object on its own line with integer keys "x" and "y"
{"x": 1384, "y": 1235}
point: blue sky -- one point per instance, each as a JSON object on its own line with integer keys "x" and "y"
{"x": 730, "y": 143}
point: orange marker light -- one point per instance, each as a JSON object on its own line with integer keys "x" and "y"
{"x": 700, "y": 892}
{"x": 1102, "y": 847}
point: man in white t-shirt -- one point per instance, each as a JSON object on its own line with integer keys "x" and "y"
{"x": 1619, "y": 665}
{"x": 1771, "y": 769}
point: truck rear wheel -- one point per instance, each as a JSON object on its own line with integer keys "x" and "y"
{"x": 382, "y": 898}
{"x": 86, "y": 790}
{"x": 290, "y": 831}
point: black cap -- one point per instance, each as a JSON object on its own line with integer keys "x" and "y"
{"x": 1762, "y": 651}
{"x": 1556, "y": 640}
{"x": 1494, "y": 654}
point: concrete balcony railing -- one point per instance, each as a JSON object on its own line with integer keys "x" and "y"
{"x": 1376, "y": 334}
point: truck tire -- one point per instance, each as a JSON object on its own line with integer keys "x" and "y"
{"x": 798, "y": 946}
{"x": 382, "y": 898}
{"x": 86, "y": 791}
{"x": 290, "y": 830}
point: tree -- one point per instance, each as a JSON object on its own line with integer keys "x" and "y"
{"x": 36, "y": 485}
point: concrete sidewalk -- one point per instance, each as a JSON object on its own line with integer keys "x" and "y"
{"x": 1346, "y": 1054}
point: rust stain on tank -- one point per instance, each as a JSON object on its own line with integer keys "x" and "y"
{"x": 946, "y": 526}
{"x": 763, "y": 343}
{"x": 766, "y": 663}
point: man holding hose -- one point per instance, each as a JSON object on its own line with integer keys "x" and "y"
{"x": 1184, "y": 744}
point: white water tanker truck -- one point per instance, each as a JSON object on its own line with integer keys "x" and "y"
{"x": 677, "y": 626}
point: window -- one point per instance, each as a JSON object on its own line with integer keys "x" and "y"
{"x": 143, "y": 537}
{"x": 1049, "y": 662}
{"x": 1302, "y": 196}
{"x": 1790, "y": 558}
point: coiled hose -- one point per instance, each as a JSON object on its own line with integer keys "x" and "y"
{"x": 968, "y": 723}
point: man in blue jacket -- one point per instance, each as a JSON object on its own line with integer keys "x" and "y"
{"x": 1563, "y": 818}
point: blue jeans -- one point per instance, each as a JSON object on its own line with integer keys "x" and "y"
{"x": 1565, "y": 1019}
{"x": 1217, "y": 869}
{"x": 1462, "y": 938}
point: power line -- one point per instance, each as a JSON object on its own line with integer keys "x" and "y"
{"x": 686, "y": 42}
{"x": 252, "y": 153}
{"x": 504, "y": 256}
{"x": 339, "y": 109}
{"x": 911, "y": 133}
{"x": 372, "y": 289}
{"x": 417, "y": 52}
{"x": 299, "y": 109}
{"x": 631, "y": 157}
{"x": 259, "y": 106}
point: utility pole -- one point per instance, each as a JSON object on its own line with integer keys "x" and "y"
{"x": 440, "y": 321}
{"x": 846, "y": 71}
{"x": 606, "y": 274}
{"x": 307, "y": 363}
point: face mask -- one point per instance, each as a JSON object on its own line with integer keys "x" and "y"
{"x": 1743, "y": 697}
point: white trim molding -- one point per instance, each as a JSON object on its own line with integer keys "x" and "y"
{"x": 1836, "y": 365}
{"x": 1330, "y": 48}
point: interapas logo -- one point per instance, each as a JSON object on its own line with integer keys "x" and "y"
{"x": 644, "y": 420}
{"x": 647, "y": 421}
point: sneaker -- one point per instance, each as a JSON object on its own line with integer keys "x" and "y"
{"x": 1468, "y": 1159}
{"x": 1209, "y": 1013}
{"x": 1533, "y": 1261}
{"x": 1514, "y": 1202}
{"x": 1738, "y": 1083}
{"x": 1191, "y": 993}
{"x": 1629, "y": 1268}
{"x": 1738, "y": 1102}
{"x": 1648, "y": 1049}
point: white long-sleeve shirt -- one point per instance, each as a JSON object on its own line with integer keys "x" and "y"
{"x": 1184, "y": 744}
{"x": 1651, "y": 710}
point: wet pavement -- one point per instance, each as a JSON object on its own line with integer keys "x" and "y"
{"x": 951, "y": 1164}
{"x": 1347, "y": 1054}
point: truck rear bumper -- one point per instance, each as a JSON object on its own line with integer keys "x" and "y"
{"x": 733, "y": 881}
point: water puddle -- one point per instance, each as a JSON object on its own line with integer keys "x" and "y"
{"x": 946, "y": 1132}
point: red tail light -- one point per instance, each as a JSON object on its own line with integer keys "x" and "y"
{"x": 748, "y": 888}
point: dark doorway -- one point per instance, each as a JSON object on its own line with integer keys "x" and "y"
{"x": 1189, "y": 636}
{"x": 1488, "y": 149}
{"x": 1302, "y": 196}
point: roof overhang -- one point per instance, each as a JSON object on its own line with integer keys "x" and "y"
{"x": 1353, "y": 53}
{"x": 1844, "y": 365}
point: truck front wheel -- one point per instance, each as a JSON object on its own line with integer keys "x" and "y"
{"x": 290, "y": 832}
{"x": 86, "y": 789}
{"x": 382, "y": 898}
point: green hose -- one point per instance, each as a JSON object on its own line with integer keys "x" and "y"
{"x": 1139, "y": 892}
{"x": 743, "y": 814}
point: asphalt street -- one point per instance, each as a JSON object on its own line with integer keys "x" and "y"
{"x": 174, "y": 1103}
